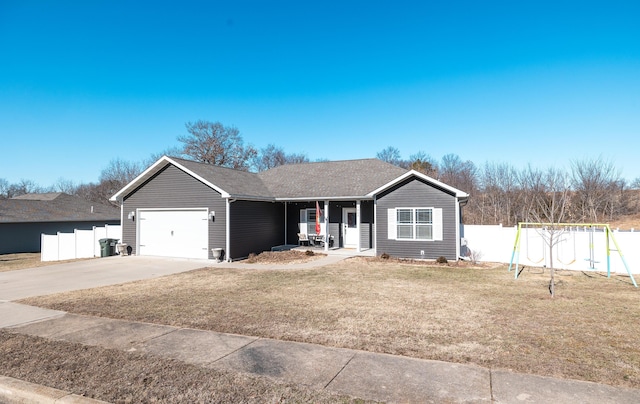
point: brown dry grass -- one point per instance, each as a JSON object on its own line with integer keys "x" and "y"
{"x": 12, "y": 262}
{"x": 450, "y": 313}
{"x": 129, "y": 377}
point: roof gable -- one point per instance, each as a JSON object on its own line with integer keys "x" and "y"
{"x": 227, "y": 181}
{"x": 454, "y": 191}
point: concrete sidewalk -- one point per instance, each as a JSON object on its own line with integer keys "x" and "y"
{"x": 359, "y": 374}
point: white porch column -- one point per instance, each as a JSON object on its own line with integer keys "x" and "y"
{"x": 358, "y": 224}
{"x": 326, "y": 225}
{"x": 374, "y": 230}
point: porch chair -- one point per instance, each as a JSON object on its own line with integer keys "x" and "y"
{"x": 328, "y": 238}
{"x": 302, "y": 238}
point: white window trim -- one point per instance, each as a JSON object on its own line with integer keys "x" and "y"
{"x": 436, "y": 224}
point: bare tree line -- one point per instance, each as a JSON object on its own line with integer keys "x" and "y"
{"x": 593, "y": 189}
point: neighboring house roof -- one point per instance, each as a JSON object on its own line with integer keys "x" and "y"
{"x": 346, "y": 179}
{"x": 54, "y": 207}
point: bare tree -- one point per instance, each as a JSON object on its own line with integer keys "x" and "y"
{"x": 274, "y": 156}
{"x": 422, "y": 162}
{"x": 594, "y": 182}
{"x": 549, "y": 199}
{"x": 120, "y": 171}
{"x": 457, "y": 173}
{"x": 499, "y": 195}
{"x": 4, "y": 188}
{"x": 391, "y": 155}
{"x": 8, "y": 190}
{"x": 66, "y": 186}
{"x": 214, "y": 143}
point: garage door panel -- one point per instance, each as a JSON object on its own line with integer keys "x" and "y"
{"x": 174, "y": 233}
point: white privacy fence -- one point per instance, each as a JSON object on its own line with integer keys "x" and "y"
{"x": 79, "y": 244}
{"x": 577, "y": 249}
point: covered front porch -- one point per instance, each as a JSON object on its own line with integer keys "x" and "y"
{"x": 331, "y": 225}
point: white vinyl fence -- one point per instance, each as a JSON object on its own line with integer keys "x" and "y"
{"x": 79, "y": 244}
{"x": 578, "y": 248}
{"x": 489, "y": 243}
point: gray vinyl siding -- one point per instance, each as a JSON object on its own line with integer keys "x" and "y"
{"x": 255, "y": 227}
{"x": 366, "y": 224}
{"x": 27, "y": 237}
{"x": 171, "y": 188}
{"x": 415, "y": 193}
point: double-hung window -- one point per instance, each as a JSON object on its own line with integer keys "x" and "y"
{"x": 414, "y": 223}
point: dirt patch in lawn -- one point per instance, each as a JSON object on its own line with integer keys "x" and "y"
{"x": 452, "y": 313}
{"x": 128, "y": 377}
{"x": 284, "y": 257}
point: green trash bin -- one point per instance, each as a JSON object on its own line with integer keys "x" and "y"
{"x": 104, "y": 247}
{"x": 108, "y": 246}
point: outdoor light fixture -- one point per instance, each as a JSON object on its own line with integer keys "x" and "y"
{"x": 212, "y": 215}
{"x": 132, "y": 215}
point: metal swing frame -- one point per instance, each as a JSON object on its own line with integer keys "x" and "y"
{"x": 608, "y": 238}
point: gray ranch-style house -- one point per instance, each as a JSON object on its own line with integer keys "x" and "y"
{"x": 182, "y": 208}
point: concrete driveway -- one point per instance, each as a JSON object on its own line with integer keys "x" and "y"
{"x": 20, "y": 284}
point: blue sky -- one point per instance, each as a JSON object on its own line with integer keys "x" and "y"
{"x": 522, "y": 82}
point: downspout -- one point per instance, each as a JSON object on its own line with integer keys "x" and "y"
{"x": 459, "y": 205}
{"x": 359, "y": 226}
{"x": 227, "y": 251}
{"x": 458, "y": 224}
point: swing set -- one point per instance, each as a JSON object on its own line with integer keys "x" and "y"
{"x": 560, "y": 228}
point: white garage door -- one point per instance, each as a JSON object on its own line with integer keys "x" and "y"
{"x": 173, "y": 233}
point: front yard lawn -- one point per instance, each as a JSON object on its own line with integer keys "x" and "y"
{"x": 590, "y": 331}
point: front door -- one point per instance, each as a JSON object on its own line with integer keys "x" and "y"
{"x": 349, "y": 228}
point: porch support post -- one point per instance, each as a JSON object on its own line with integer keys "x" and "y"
{"x": 326, "y": 225}
{"x": 358, "y": 224}
{"x": 285, "y": 223}
{"x": 227, "y": 247}
{"x": 375, "y": 225}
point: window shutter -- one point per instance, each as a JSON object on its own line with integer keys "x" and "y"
{"x": 392, "y": 228}
{"x": 437, "y": 224}
{"x": 303, "y": 221}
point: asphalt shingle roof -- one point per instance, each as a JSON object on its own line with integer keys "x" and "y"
{"x": 348, "y": 179}
{"x": 54, "y": 207}
{"x": 235, "y": 182}
{"x": 331, "y": 179}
